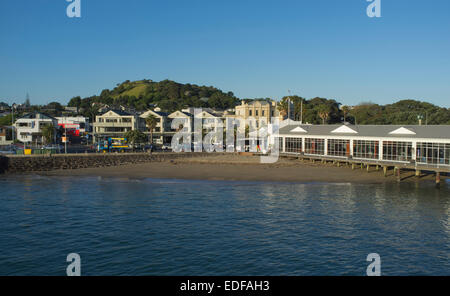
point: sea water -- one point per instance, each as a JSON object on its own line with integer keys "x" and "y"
{"x": 176, "y": 227}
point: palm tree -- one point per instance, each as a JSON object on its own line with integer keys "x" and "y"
{"x": 48, "y": 132}
{"x": 324, "y": 112}
{"x": 151, "y": 122}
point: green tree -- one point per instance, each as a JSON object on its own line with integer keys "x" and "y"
{"x": 48, "y": 133}
{"x": 151, "y": 122}
{"x": 75, "y": 102}
{"x": 135, "y": 137}
{"x": 324, "y": 113}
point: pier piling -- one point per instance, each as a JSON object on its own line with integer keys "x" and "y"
{"x": 438, "y": 178}
{"x": 385, "y": 169}
{"x": 399, "y": 174}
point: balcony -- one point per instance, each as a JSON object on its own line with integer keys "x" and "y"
{"x": 114, "y": 124}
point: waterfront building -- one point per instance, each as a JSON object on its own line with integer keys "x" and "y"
{"x": 260, "y": 112}
{"x": 185, "y": 117}
{"x": 408, "y": 144}
{"x": 162, "y": 132}
{"x": 114, "y": 123}
{"x": 29, "y": 127}
{"x": 76, "y": 126}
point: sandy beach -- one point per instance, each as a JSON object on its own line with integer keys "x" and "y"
{"x": 241, "y": 168}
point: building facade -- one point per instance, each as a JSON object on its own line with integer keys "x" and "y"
{"x": 5, "y": 135}
{"x": 29, "y": 127}
{"x": 162, "y": 132}
{"x": 114, "y": 123}
{"x": 76, "y": 126}
{"x": 427, "y": 145}
{"x": 260, "y": 112}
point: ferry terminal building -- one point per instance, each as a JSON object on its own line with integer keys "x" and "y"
{"x": 418, "y": 145}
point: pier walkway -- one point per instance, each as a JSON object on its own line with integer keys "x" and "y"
{"x": 375, "y": 164}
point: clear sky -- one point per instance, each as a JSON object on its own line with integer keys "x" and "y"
{"x": 327, "y": 48}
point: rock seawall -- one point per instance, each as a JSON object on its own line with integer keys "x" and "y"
{"x": 37, "y": 163}
{"x": 3, "y": 164}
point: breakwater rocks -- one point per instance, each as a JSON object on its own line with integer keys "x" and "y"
{"x": 39, "y": 163}
{"x": 3, "y": 164}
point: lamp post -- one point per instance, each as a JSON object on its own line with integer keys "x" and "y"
{"x": 301, "y": 111}
{"x": 289, "y": 105}
{"x": 13, "y": 106}
{"x": 65, "y": 136}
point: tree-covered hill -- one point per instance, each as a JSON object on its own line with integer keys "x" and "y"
{"x": 401, "y": 112}
{"x": 167, "y": 95}
{"x": 170, "y": 96}
{"x": 321, "y": 110}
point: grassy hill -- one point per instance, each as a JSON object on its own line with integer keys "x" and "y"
{"x": 167, "y": 94}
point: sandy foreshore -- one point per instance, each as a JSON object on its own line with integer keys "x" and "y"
{"x": 240, "y": 168}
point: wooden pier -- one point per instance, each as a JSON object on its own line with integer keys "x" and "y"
{"x": 375, "y": 165}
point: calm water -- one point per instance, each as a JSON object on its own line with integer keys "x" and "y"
{"x": 169, "y": 227}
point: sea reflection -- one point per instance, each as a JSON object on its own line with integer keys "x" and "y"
{"x": 175, "y": 227}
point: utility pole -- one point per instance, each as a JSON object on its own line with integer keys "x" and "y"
{"x": 12, "y": 121}
{"x": 301, "y": 112}
{"x": 65, "y": 136}
{"x": 289, "y": 105}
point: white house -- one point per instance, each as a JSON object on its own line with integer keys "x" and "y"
{"x": 29, "y": 127}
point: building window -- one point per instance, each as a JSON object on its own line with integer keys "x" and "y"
{"x": 280, "y": 143}
{"x": 250, "y": 113}
{"x": 397, "y": 151}
{"x": 315, "y": 146}
{"x": 293, "y": 145}
{"x": 263, "y": 113}
{"x": 433, "y": 153}
{"x": 339, "y": 148}
{"x": 366, "y": 149}
{"x": 256, "y": 113}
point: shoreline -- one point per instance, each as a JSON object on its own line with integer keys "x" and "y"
{"x": 242, "y": 168}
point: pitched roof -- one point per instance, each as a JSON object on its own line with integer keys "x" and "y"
{"x": 376, "y": 131}
{"x": 158, "y": 113}
{"x": 118, "y": 112}
{"x": 37, "y": 115}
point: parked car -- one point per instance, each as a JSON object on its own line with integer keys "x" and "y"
{"x": 57, "y": 148}
{"x": 11, "y": 149}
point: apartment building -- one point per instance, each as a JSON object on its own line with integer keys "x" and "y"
{"x": 114, "y": 123}
{"x": 162, "y": 132}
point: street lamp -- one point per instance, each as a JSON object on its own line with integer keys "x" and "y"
{"x": 13, "y": 106}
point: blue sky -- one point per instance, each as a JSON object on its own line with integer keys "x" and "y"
{"x": 325, "y": 48}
